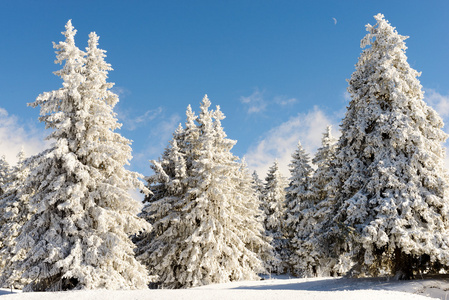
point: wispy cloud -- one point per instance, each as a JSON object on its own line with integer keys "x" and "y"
{"x": 255, "y": 101}
{"x": 132, "y": 122}
{"x": 122, "y": 92}
{"x": 149, "y": 115}
{"x": 159, "y": 136}
{"x": 163, "y": 131}
{"x": 335, "y": 21}
{"x": 438, "y": 102}
{"x": 284, "y": 101}
{"x": 258, "y": 102}
{"x": 346, "y": 96}
{"x": 280, "y": 142}
{"x": 14, "y": 136}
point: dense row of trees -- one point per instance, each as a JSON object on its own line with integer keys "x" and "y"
{"x": 374, "y": 202}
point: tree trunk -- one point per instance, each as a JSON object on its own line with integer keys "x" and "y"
{"x": 402, "y": 265}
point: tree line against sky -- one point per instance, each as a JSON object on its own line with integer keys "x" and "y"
{"x": 375, "y": 204}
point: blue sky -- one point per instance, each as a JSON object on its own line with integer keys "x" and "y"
{"x": 278, "y": 69}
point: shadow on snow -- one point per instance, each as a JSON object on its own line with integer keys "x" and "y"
{"x": 424, "y": 285}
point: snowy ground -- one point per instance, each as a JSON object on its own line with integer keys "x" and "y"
{"x": 279, "y": 288}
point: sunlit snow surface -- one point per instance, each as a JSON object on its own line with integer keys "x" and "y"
{"x": 276, "y": 288}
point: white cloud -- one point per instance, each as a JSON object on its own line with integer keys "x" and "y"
{"x": 134, "y": 122}
{"x": 255, "y": 102}
{"x": 15, "y": 136}
{"x": 163, "y": 130}
{"x": 346, "y": 96}
{"x": 280, "y": 142}
{"x": 141, "y": 120}
{"x": 283, "y": 101}
{"x": 160, "y": 135}
{"x": 438, "y": 102}
{"x": 335, "y": 21}
{"x": 121, "y": 91}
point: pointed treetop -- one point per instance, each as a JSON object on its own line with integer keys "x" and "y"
{"x": 218, "y": 114}
{"x": 4, "y": 172}
{"x": 255, "y": 174}
{"x": 205, "y": 117}
{"x": 21, "y": 155}
{"x": 274, "y": 169}
{"x": 178, "y": 130}
{"x": 69, "y": 34}
{"x": 69, "y": 55}
{"x": 93, "y": 40}
{"x": 300, "y": 164}
{"x": 382, "y": 33}
{"x": 3, "y": 163}
{"x": 190, "y": 121}
{"x": 328, "y": 138}
{"x": 96, "y": 67}
{"x": 243, "y": 163}
{"x": 205, "y": 104}
{"x": 70, "y": 30}
{"x": 96, "y": 54}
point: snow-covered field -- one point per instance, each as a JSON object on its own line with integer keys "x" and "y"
{"x": 279, "y": 288}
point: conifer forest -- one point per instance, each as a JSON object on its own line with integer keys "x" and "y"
{"x": 373, "y": 201}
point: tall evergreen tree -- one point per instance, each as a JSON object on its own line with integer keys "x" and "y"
{"x": 5, "y": 170}
{"x": 78, "y": 236}
{"x": 299, "y": 197}
{"x": 168, "y": 185}
{"x": 274, "y": 209}
{"x": 259, "y": 189}
{"x": 310, "y": 258}
{"x": 208, "y": 232}
{"x": 14, "y": 212}
{"x": 390, "y": 182}
{"x": 258, "y": 185}
{"x": 253, "y": 198}
{"x": 322, "y": 160}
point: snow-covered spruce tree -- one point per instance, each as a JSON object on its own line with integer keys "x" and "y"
{"x": 391, "y": 186}
{"x": 274, "y": 209}
{"x": 253, "y": 219}
{"x": 78, "y": 236}
{"x": 14, "y": 212}
{"x": 211, "y": 233}
{"x": 259, "y": 189}
{"x": 5, "y": 170}
{"x": 258, "y": 186}
{"x": 168, "y": 186}
{"x": 322, "y": 160}
{"x": 299, "y": 197}
{"x": 311, "y": 259}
